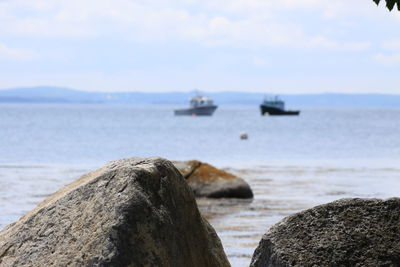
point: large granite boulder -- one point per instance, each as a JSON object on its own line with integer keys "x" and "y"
{"x": 347, "y": 232}
{"x": 131, "y": 212}
{"x": 208, "y": 181}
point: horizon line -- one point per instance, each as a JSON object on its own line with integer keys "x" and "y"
{"x": 193, "y": 90}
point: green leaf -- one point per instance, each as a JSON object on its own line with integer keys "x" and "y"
{"x": 390, "y": 4}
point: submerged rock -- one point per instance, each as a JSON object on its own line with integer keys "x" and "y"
{"x": 131, "y": 212}
{"x": 208, "y": 181}
{"x": 347, "y": 232}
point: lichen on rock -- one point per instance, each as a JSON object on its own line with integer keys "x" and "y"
{"x": 208, "y": 181}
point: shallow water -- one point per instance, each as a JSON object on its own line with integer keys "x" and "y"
{"x": 24, "y": 186}
{"x": 291, "y": 163}
{"x": 283, "y": 190}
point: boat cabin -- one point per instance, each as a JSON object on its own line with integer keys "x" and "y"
{"x": 199, "y": 101}
{"x": 274, "y": 103}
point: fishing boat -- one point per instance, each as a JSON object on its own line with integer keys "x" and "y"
{"x": 275, "y": 106}
{"x": 199, "y": 106}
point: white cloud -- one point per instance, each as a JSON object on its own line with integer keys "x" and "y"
{"x": 388, "y": 59}
{"x": 209, "y": 22}
{"x": 390, "y": 53}
{"x": 321, "y": 41}
{"x": 259, "y": 61}
{"x": 391, "y": 45}
{"x": 15, "y": 54}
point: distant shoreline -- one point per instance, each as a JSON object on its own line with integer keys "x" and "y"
{"x": 58, "y": 95}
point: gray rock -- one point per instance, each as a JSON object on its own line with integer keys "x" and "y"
{"x": 131, "y": 212}
{"x": 347, "y": 232}
{"x": 208, "y": 181}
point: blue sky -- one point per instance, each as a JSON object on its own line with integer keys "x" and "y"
{"x": 285, "y": 46}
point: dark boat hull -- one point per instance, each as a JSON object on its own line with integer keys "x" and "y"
{"x": 276, "y": 111}
{"x": 198, "y": 111}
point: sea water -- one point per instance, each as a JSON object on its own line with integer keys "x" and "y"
{"x": 291, "y": 162}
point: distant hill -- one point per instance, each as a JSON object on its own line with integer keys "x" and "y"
{"x": 48, "y": 94}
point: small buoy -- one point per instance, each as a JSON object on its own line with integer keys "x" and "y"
{"x": 244, "y": 136}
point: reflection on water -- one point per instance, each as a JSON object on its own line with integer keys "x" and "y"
{"x": 283, "y": 190}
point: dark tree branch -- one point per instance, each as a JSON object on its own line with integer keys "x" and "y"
{"x": 390, "y": 3}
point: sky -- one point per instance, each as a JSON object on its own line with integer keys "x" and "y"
{"x": 285, "y": 46}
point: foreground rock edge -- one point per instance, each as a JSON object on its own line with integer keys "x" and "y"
{"x": 130, "y": 212}
{"x": 346, "y": 232}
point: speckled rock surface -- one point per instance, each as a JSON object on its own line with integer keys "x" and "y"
{"x": 131, "y": 212}
{"x": 208, "y": 181}
{"x": 347, "y": 232}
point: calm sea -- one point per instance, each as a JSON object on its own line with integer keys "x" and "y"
{"x": 291, "y": 162}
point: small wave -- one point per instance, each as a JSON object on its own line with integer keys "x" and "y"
{"x": 12, "y": 166}
{"x": 40, "y": 195}
{"x": 290, "y": 169}
{"x": 337, "y": 193}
